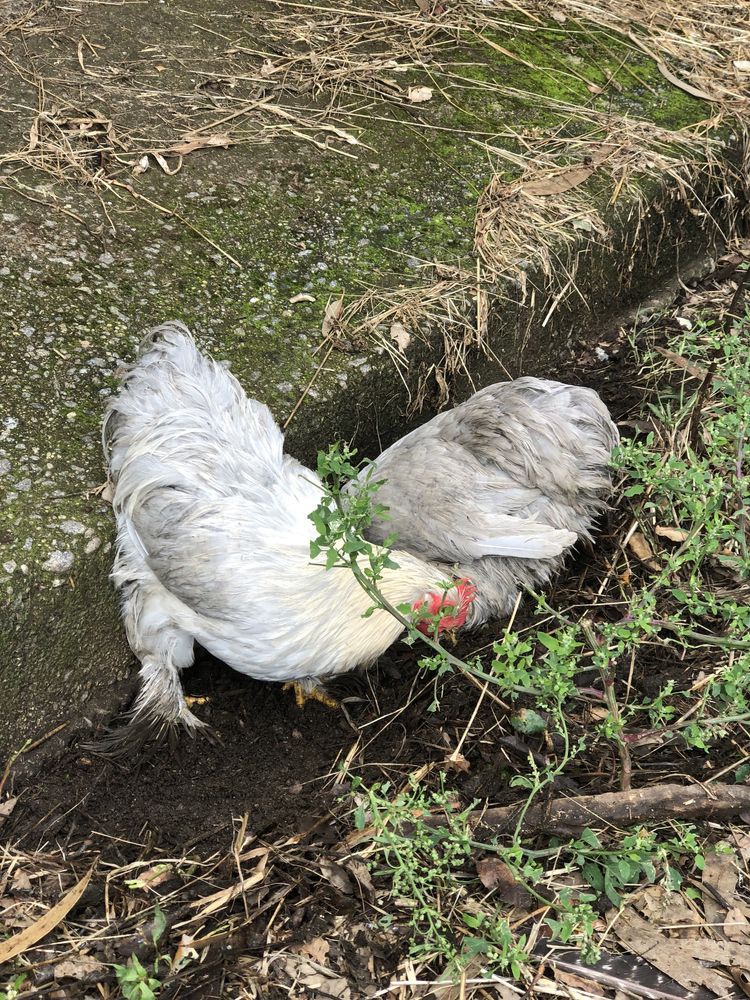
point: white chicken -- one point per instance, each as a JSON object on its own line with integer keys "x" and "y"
{"x": 213, "y": 542}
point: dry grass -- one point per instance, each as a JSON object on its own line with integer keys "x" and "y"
{"x": 320, "y": 73}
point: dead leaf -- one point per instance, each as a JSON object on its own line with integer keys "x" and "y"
{"x": 594, "y": 88}
{"x": 80, "y": 58}
{"x": 456, "y": 762}
{"x": 742, "y": 840}
{"x": 332, "y": 317}
{"x": 21, "y": 880}
{"x": 159, "y": 67}
{"x": 742, "y": 65}
{"x": 191, "y": 142}
{"x": 317, "y": 949}
{"x": 579, "y": 983}
{"x": 33, "y": 135}
{"x": 720, "y": 873}
{"x": 267, "y": 69}
{"x": 20, "y": 943}
{"x": 219, "y": 900}
{"x": 495, "y": 874}
{"x": 695, "y": 370}
{"x": 680, "y": 958}
{"x": 165, "y": 166}
{"x": 361, "y": 873}
{"x": 400, "y": 335}
{"x": 566, "y": 179}
{"x": 7, "y": 807}
{"x": 301, "y": 297}
{"x": 336, "y": 875}
{"x": 673, "y": 534}
{"x": 79, "y": 968}
{"x": 418, "y": 95}
{"x": 314, "y": 976}
{"x": 641, "y": 549}
{"x": 683, "y": 84}
{"x": 184, "y": 952}
{"x": 737, "y": 926}
{"x": 154, "y": 876}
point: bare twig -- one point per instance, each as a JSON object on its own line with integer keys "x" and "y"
{"x": 565, "y": 816}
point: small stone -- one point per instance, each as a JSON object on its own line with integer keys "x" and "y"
{"x": 92, "y": 545}
{"x": 72, "y": 527}
{"x": 71, "y": 415}
{"x": 58, "y": 561}
{"x": 9, "y": 566}
{"x": 23, "y": 485}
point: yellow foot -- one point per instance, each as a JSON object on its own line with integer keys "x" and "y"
{"x": 302, "y": 695}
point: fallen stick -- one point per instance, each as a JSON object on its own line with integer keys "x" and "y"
{"x": 659, "y": 802}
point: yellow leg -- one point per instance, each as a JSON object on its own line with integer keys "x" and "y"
{"x": 302, "y": 695}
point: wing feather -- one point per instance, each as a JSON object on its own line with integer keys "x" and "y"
{"x": 518, "y": 471}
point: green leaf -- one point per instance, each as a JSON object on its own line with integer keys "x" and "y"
{"x": 593, "y": 875}
{"x": 625, "y": 870}
{"x": 589, "y": 837}
{"x": 609, "y": 890}
{"x": 529, "y": 722}
{"x": 160, "y": 923}
{"x": 550, "y": 641}
{"x": 360, "y": 817}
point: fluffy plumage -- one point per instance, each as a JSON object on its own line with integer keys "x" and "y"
{"x": 213, "y": 539}
{"x": 500, "y": 486}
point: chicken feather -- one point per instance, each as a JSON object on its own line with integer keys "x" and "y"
{"x": 500, "y": 486}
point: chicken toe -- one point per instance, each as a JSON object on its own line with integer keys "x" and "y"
{"x": 304, "y": 692}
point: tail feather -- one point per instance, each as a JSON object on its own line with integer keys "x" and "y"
{"x": 547, "y": 544}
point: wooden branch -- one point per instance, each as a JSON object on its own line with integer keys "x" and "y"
{"x": 659, "y": 802}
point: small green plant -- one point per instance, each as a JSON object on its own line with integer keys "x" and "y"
{"x": 135, "y": 981}
{"x": 139, "y": 982}
{"x": 616, "y": 869}
{"x": 13, "y": 990}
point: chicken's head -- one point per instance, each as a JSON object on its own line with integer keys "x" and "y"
{"x": 452, "y": 605}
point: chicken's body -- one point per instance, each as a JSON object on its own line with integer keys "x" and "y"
{"x": 214, "y": 536}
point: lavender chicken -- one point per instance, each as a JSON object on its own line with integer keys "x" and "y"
{"x": 213, "y": 542}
